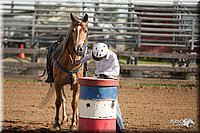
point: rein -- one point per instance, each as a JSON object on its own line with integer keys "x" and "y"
{"x": 66, "y": 70}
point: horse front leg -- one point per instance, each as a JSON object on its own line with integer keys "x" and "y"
{"x": 64, "y": 116}
{"x": 58, "y": 104}
{"x": 76, "y": 93}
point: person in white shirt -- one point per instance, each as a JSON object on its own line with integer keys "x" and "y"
{"x": 107, "y": 67}
{"x": 107, "y": 64}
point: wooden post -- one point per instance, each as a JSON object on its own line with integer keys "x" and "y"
{"x": 193, "y": 26}
{"x": 34, "y": 56}
{"x": 139, "y": 32}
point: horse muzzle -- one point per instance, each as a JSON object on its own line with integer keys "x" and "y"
{"x": 79, "y": 50}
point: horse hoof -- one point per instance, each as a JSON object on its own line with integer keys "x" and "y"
{"x": 64, "y": 122}
{"x": 57, "y": 126}
{"x": 73, "y": 128}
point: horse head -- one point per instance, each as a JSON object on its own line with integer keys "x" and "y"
{"x": 79, "y": 33}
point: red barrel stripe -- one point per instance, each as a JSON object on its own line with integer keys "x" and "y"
{"x": 97, "y": 125}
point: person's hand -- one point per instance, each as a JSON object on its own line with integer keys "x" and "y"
{"x": 103, "y": 76}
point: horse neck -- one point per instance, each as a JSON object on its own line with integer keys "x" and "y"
{"x": 68, "y": 56}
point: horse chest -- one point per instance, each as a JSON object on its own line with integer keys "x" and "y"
{"x": 69, "y": 79}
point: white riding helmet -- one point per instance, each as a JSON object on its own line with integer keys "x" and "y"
{"x": 99, "y": 51}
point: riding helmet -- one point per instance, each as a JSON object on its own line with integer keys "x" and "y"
{"x": 99, "y": 51}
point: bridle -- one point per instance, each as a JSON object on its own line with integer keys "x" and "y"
{"x": 68, "y": 71}
{"x": 71, "y": 72}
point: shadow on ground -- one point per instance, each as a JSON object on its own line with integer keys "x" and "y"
{"x": 39, "y": 130}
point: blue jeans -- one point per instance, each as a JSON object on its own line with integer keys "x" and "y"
{"x": 120, "y": 124}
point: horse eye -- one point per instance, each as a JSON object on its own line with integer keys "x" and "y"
{"x": 86, "y": 31}
{"x": 73, "y": 30}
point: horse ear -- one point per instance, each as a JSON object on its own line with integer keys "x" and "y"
{"x": 72, "y": 17}
{"x": 85, "y": 18}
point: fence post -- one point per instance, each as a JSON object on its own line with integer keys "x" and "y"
{"x": 193, "y": 26}
{"x": 139, "y": 32}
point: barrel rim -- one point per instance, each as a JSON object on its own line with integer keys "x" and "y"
{"x": 91, "y": 81}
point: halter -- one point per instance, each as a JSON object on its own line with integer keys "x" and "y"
{"x": 66, "y": 70}
{"x": 82, "y": 53}
{"x": 74, "y": 71}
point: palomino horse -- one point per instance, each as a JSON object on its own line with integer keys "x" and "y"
{"x": 66, "y": 54}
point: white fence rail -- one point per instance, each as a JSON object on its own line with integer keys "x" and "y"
{"x": 133, "y": 24}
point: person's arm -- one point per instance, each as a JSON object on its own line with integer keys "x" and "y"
{"x": 84, "y": 59}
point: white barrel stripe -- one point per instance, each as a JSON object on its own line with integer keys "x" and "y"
{"x": 101, "y": 109}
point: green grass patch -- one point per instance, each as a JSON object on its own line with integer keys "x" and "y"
{"x": 135, "y": 84}
{"x": 123, "y": 60}
{"x": 123, "y": 83}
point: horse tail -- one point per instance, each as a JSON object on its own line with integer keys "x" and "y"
{"x": 47, "y": 98}
{"x": 43, "y": 73}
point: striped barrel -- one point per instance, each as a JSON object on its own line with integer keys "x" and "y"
{"x": 97, "y": 105}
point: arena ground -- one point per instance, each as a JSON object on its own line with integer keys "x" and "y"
{"x": 146, "y": 104}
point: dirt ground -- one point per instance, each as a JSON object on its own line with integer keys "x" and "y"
{"x": 145, "y": 104}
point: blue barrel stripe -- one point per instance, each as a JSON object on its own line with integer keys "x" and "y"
{"x": 98, "y": 93}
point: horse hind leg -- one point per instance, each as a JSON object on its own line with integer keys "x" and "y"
{"x": 64, "y": 110}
